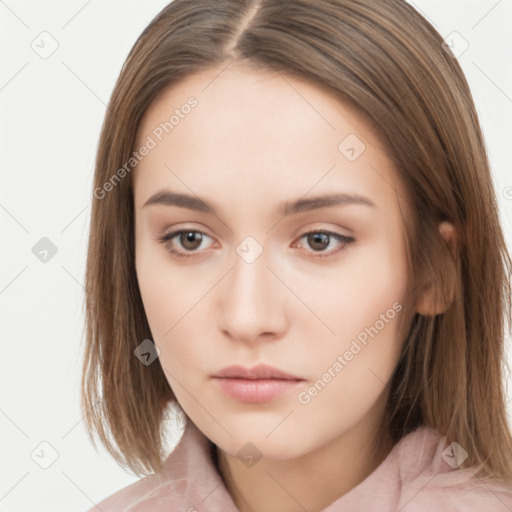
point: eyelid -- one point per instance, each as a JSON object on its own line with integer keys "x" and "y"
{"x": 344, "y": 240}
{"x": 166, "y": 238}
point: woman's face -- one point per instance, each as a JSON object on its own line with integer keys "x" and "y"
{"x": 298, "y": 262}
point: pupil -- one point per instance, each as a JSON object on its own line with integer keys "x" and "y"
{"x": 317, "y": 241}
{"x": 191, "y": 237}
{"x": 319, "y": 238}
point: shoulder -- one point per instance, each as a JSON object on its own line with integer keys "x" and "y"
{"x": 148, "y": 491}
{"x": 431, "y": 478}
{"x": 474, "y": 496}
{"x": 187, "y": 476}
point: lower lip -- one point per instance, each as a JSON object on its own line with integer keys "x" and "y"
{"x": 256, "y": 390}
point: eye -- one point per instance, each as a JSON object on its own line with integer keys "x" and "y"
{"x": 319, "y": 240}
{"x": 189, "y": 239}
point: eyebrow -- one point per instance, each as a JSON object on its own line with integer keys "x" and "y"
{"x": 168, "y": 198}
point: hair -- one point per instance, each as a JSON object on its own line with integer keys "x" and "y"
{"x": 385, "y": 59}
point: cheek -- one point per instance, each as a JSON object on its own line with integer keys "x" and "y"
{"x": 169, "y": 298}
{"x": 354, "y": 368}
{"x": 368, "y": 282}
{"x": 363, "y": 306}
{"x": 155, "y": 291}
{"x": 164, "y": 292}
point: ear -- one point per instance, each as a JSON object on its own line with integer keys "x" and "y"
{"x": 437, "y": 296}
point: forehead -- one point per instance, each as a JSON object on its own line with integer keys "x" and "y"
{"x": 258, "y": 133}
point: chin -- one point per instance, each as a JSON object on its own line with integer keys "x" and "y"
{"x": 256, "y": 439}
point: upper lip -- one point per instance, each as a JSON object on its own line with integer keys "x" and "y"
{"x": 261, "y": 371}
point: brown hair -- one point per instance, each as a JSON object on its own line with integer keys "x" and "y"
{"x": 388, "y": 61}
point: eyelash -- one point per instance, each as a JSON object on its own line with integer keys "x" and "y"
{"x": 166, "y": 239}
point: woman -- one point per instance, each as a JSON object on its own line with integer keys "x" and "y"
{"x": 294, "y": 239}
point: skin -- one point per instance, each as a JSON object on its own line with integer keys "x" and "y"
{"x": 254, "y": 140}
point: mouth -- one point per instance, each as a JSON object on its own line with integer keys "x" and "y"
{"x": 256, "y": 385}
{"x": 261, "y": 371}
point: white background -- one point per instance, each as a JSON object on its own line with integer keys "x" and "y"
{"x": 51, "y": 114}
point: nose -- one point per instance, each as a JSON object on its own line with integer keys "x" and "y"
{"x": 252, "y": 302}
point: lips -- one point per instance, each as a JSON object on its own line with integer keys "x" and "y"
{"x": 260, "y": 371}
{"x": 255, "y": 385}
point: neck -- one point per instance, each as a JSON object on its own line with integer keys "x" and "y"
{"x": 309, "y": 482}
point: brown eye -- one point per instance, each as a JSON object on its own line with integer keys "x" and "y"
{"x": 189, "y": 240}
{"x": 318, "y": 241}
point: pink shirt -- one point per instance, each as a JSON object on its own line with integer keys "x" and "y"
{"x": 414, "y": 477}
